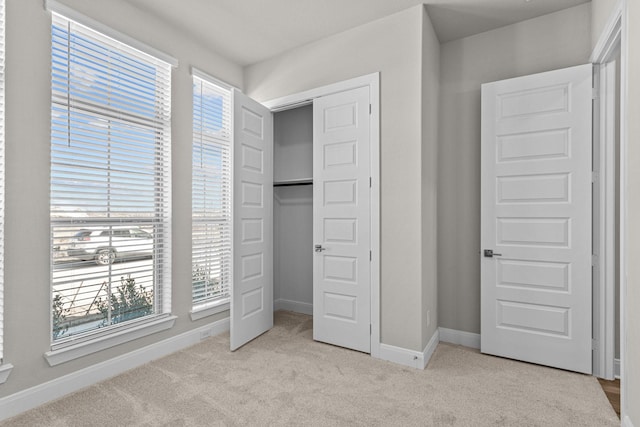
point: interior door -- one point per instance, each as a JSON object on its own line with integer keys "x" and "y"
{"x": 536, "y": 218}
{"x": 341, "y": 218}
{"x": 252, "y": 284}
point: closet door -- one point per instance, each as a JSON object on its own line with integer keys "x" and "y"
{"x": 341, "y": 218}
{"x": 252, "y": 285}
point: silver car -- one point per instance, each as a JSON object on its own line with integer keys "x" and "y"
{"x": 105, "y": 245}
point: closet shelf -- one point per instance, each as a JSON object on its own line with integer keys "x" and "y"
{"x": 288, "y": 182}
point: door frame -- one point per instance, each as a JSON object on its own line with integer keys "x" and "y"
{"x": 604, "y": 53}
{"x": 305, "y": 98}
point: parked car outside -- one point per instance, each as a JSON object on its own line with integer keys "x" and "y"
{"x": 106, "y": 244}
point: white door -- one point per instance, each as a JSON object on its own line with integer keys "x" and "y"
{"x": 536, "y": 218}
{"x": 252, "y": 284}
{"x": 341, "y": 218}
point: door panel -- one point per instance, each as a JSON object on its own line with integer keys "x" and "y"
{"x": 252, "y": 285}
{"x": 536, "y": 216}
{"x": 341, "y": 217}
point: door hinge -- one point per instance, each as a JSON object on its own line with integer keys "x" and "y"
{"x": 594, "y": 260}
{"x": 595, "y": 93}
{"x": 369, "y": 108}
{"x": 594, "y": 176}
{"x": 594, "y": 344}
{"x": 370, "y": 256}
{"x": 370, "y": 182}
{"x": 370, "y": 329}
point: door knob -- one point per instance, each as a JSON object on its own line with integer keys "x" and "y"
{"x": 319, "y": 248}
{"x": 488, "y": 253}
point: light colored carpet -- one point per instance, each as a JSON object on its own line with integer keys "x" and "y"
{"x": 285, "y": 378}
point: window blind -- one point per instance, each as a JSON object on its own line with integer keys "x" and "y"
{"x": 110, "y": 183}
{"x": 211, "y": 193}
{"x": 2, "y": 27}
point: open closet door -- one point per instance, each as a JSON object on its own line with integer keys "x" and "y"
{"x": 536, "y": 218}
{"x": 252, "y": 285}
{"x": 341, "y": 218}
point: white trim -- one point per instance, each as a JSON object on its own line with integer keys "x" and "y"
{"x": 71, "y": 352}
{"x": 5, "y": 371}
{"x": 205, "y": 310}
{"x": 616, "y": 31}
{"x": 195, "y": 72}
{"x": 604, "y": 221}
{"x": 430, "y": 348}
{"x": 295, "y": 306}
{"x": 303, "y": 98}
{"x": 624, "y": 55}
{"x": 306, "y": 97}
{"x": 616, "y": 368}
{"x": 626, "y": 422}
{"x": 453, "y": 336}
{"x": 410, "y": 358}
{"x": 61, "y": 9}
{"x": 604, "y": 193}
{"x": 374, "y": 97}
{"x": 24, "y": 400}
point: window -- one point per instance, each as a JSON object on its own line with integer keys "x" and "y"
{"x": 110, "y": 184}
{"x": 211, "y": 194}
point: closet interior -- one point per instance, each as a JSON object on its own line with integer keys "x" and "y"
{"x": 293, "y": 210}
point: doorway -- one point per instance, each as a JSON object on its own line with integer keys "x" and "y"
{"x": 333, "y": 190}
{"x": 606, "y": 208}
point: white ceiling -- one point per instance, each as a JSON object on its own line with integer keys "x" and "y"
{"x": 249, "y": 31}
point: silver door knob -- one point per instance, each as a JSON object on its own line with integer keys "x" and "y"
{"x": 488, "y": 253}
{"x": 319, "y": 248}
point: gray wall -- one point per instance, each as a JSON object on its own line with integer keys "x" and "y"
{"x": 393, "y": 46}
{"x": 293, "y": 245}
{"x": 293, "y": 144}
{"x": 27, "y": 246}
{"x": 600, "y": 11}
{"x": 552, "y": 41}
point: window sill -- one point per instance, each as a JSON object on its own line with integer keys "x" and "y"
{"x": 209, "y": 309}
{"x": 56, "y": 357}
{"x": 5, "y": 371}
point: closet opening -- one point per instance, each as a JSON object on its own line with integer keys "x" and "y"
{"x": 293, "y": 209}
{"x": 307, "y": 213}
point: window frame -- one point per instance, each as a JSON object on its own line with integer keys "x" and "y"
{"x": 91, "y": 341}
{"x": 224, "y": 143}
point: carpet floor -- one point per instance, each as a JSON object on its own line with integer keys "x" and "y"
{"x": 285, "y": 378}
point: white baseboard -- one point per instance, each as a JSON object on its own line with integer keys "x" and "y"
{"x": 626, "y": 421}
{"x": 454, "y": 336}
{"x": 411, "y": 358}
{"x": 21, "y": 401}
{"x": 430, "y": 348}
{"x": 295, "y": 306}
{"x": 472, "y": 340}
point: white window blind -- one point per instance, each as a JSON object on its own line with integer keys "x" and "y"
{"x": 110, "y": 184}
{"x": 211, "y": 193}
{"x": 2, "y": 26}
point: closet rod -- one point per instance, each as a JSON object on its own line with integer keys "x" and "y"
{"x": 289, "y": 184}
